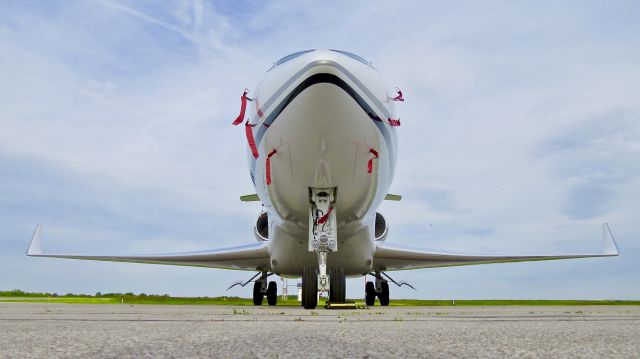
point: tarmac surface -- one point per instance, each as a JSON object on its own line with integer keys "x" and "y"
{"x": 37, "y": 330}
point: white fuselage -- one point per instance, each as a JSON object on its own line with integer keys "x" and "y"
{"x": 322, "y": 112}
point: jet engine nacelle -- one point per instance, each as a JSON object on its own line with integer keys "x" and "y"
{"x": 262, "y": 228}
{"x": 381, "y": 227}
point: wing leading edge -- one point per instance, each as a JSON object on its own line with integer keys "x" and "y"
{"x": 393, "y": 257}
{"x": 252, "y": 257}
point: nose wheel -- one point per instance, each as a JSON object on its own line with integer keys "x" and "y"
{"x": 337, "y": 285}
{"x": 309, "y": 287}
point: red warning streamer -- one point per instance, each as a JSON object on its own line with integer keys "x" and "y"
{"x": 399, "y": 97}
{"x": 243, "y": 108}
{"x": 268, "y": 170}
{"x": 393, "y": 122}
{"x": 370, "y": 164}
{"x": 325, "y": 217}
{"x": 248, "y": 129}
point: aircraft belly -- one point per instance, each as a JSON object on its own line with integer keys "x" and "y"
{"x": 322, "y": 139}
{"x": 289, "y": 252}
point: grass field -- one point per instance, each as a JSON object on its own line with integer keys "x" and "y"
{"x": 130, "y": 298}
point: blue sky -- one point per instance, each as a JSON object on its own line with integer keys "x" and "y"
{"x": 520, "y": 133}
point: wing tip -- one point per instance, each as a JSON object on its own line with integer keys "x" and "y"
{"x": 610, "y": 245}
{"x": 250, "y": 198}
{"x": 35, "y": 246}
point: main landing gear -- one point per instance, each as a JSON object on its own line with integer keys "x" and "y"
{"x": 262, "y": 289}
{"x": 380, "y": 290}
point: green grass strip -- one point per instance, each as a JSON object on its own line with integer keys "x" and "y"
{"x": 130, "y": 298}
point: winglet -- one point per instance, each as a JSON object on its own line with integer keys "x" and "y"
{"x": 250, "y": 198}
{"x": 35, "y": 248}
{"x": 610, "y": 245}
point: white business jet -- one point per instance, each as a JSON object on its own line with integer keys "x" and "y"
{"x": 322, "y": 150}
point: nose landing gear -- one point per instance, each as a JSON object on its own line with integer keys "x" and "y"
{"x": 322, "y": 240}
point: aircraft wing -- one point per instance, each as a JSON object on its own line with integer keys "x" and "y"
{"x": 389, "y": 257}
{"x": 252, "y": 257}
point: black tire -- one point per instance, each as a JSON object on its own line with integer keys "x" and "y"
{"x": 309, "y": 287}
{"x": 272, "y": 293}
{"x": 383, "y": 296}
{"x": 257, "y": 293}
{"x": 337, "y": 285}
{"x": 370, "y": 294}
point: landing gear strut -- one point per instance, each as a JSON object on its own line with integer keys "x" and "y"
{"x": 322, "y": 241}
